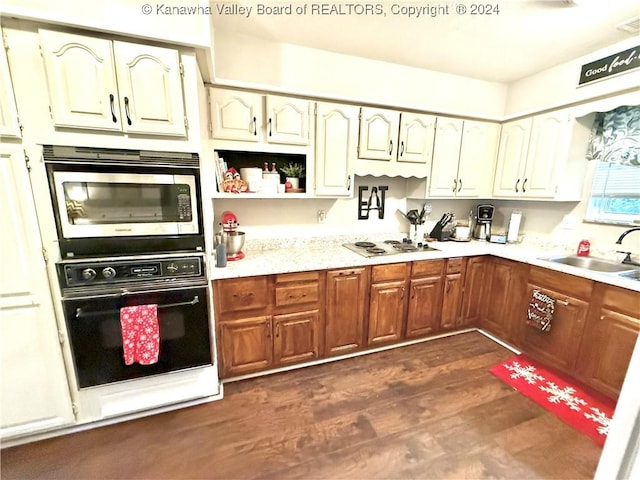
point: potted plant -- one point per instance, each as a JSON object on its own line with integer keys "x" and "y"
{"x": 293, "y": 173}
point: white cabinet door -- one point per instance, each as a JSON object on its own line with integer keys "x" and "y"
{"x": 547, "y": 153}
{"x": 416, "y": 138}
{"x": 512, "y": 154}
{"x": 82, "y": 81}
{"x": 287, "y": 120}
{"x": 446, "y": 154}
{"x": 235, "y": 115}
{"x": 336, "y": 148}
{"x": 9, "y": 125}
{"x": 477, "y": 158}
{"x": 150, "y": 86}
{"x": 34, "y": 387}
{"x": 378, "y": 134}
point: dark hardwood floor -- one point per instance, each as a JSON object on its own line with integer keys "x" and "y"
{"x": 430, "y": 410}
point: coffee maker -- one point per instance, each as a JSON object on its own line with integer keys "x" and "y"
{"x": 484, "y": 217}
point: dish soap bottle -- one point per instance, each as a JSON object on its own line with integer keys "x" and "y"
{"x": 584, "y": 248}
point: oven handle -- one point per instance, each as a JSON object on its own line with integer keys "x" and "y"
{"x": 81, "y": 313}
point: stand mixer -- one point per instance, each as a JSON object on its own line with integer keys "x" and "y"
{"x": 233, "y": 239}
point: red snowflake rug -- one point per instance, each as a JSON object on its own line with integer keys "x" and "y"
{"x": 572, "y": 404}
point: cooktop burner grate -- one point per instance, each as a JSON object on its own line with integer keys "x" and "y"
{"x": 365, "y": 244}
{"x": 376, "y": 250}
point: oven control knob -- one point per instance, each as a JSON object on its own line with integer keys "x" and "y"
{"x": 88, "y": 274}
{"x": 108, "y": 272}
{"x": 172, "y": 267}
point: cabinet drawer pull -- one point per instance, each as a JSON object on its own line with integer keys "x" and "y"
{"x": 113, "y": 113}
{"x": 268, "y": 329}
{"x": 390, "y": 146}
{"x": 348, "y": 183}
{"x": 517, "y": 183}
{"x": 126, "y": 110}
{"x": 564, "y": 302}
{"x": 413, "y": 292}
{"x": 269, "y": 127}
{"x": 455, "y": 185}
{"x": 402, "y": 148}
{"x": 459, "y": 185}
{"x": 402, "y": 294}
{"x": 255, "y": 130}
{"x": 523, "y": 185}
{"x": 277, "y": 330}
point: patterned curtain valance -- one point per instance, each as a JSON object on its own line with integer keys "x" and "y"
{"x": 615, "y": 136}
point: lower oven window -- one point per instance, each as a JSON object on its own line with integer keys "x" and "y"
{"x": 96, "y": 335}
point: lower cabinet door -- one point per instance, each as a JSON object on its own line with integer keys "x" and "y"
{"x": 559, "y": 346}
{"x": 451, "y": 301}
{"x": 296, "y": 337}
{"x": 245, "y": 346}
{"x": 606, "y": 349}
{"x": 345, "y": 312}
{"x": 425, "y": 305}
{"x": 475, "y": 280}
{"x": 386, "y": 313}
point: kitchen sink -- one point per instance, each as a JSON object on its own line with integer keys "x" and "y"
{"x": 590, "y": 263}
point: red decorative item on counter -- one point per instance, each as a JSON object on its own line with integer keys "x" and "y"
{"x": 287, "y": 186}
{"x": 584, "y": 248}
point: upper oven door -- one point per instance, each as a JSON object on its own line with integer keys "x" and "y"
{"x": 102, "y": 204}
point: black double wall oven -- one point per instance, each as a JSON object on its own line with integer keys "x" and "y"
{"x": 130, "y": 231}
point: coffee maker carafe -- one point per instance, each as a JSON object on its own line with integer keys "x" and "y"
{"x": 484, "y": 217}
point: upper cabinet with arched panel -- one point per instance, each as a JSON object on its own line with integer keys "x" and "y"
{"x": 264, "y": 119}
{"x": 100, "y": 84}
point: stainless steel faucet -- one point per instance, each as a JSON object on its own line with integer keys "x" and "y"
{"x": 627, "y": 259}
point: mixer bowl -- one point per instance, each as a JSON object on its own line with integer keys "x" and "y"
{"x": 233, "y": 240}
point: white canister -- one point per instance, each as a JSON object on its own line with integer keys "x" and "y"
{"x": 253, "y": 177}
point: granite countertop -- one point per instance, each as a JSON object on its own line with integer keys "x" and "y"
{"x": 305, "y": 256}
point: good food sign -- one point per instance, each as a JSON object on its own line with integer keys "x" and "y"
{"x": 611, "y": 65}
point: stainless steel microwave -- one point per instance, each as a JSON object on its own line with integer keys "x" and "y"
{"x": 124, "y": 201}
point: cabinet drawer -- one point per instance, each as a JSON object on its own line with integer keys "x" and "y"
{"x": 296, "y": 294}
{"x": 561, "y": 282}
{"x": 454, "y": 265}
{"x": 238, "y": 294}
{"x": 424, "y": 268}
{"x": 383, "y": 273}
{"x": 297, "y": 277}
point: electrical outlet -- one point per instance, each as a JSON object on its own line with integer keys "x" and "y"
{"x": 322, "y": 216}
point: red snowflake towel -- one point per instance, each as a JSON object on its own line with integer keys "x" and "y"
{"x": 140, "y": 334}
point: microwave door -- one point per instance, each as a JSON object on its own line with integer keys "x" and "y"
{"x": 111, "y": 204}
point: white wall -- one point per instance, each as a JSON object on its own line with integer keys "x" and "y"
{"x": 294, "y": 69}
{"x": 558, "y": 85}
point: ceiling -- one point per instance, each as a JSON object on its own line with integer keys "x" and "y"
{"x": 525, "y": 37}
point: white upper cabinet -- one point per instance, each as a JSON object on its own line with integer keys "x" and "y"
{"x": 446, "y": 149}
{"x": 464, "y": 156}
{"x": 103, "y": 85}
{"x": 150, "y": 86}
{"x": 415, "y": 142}
{"x": 394, "y": 143}
{"x": 9, "y": 124}
{"x": 252, "y": 117}
{"x": 477, "y": 158}
{"x": 378, "y": 134}
{"x": 532, "y": 152}
{"x": 235, "y": 115}
{"x": 34, "y": 387}
{"x": 336, "y": 148}
{"x": 287, "y": 120}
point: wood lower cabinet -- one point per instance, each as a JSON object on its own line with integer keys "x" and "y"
{"x": 474, "y": 291}
{"x": 506, "y": 287}
{"x": 245, "y": 345}
{"x": 610, "y": 334}
{"x": 425, "y": 298}
{"x": 345, "y": 310}
{"x": 296, "y": 337}
{"x": 559, "y": 346}
{"x": 268, "y": 321}
{"x": 387, "y": 303}
{"x": 452, "y": 294}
